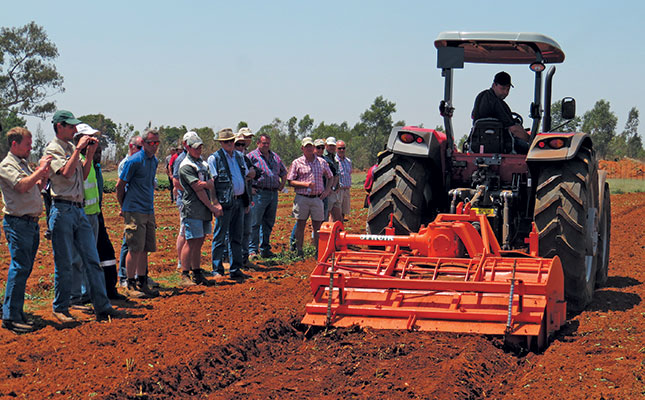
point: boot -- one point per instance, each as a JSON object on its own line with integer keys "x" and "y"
{"x": 199, "y": 279}
{"x": 186, "y": 280}
{"x": 132, "y": 291}
{"x": 142, "y": 285}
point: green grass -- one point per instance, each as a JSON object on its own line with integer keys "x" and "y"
{"x": 618, "y": 186}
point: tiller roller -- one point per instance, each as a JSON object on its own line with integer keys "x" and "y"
{"x": 451, "y": 276}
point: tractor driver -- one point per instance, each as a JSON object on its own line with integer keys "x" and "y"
{"x": 490, "y": 104}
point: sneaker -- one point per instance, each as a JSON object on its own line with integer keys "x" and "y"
{"x": 152, "y": 284}
{"x": 199, "y": 279}
{"x": 123, "y": 283}
{"x": 111, "y": 313}
{"x": 186, "y": 280}
{"x": 116, "y": 296}
{"x": 17, "y": 327}
{"x": 63, "y": 317}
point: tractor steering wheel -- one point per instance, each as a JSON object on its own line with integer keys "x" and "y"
{"x": 518, "y": 118}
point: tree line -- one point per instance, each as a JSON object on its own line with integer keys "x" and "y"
{"x": 28, "y": 80}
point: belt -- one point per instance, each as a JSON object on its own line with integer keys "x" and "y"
{"x": 311, "y": 196}
{"x": 267, "y": 190}
{"x": 71, "y": 203}
{"x": 237, "y": 197}
{"x": 23, "y": 217}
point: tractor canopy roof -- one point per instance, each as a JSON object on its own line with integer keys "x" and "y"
{"x": 502, "y": 47}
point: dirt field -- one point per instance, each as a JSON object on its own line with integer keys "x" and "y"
{"x": 244, "y": 340}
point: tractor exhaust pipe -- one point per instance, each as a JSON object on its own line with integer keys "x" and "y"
{"x": 546, "y": 123}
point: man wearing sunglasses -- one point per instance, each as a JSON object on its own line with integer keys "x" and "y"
{"x": 137, "y": 207}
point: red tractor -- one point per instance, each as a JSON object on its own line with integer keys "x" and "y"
{"x": 557, "y": 185}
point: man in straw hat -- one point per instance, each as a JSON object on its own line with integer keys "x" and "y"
{"x": 229, "y": 170}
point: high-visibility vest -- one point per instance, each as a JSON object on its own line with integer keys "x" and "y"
{"x": 91, "y": 192}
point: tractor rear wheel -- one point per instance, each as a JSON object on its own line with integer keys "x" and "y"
{"x": 401, "y": 189}
{"x": 604, "y": 237}
{"x": 565, "y": 215}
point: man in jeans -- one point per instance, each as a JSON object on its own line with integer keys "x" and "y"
{"x": 70, "y": 228}
{"x": 229, "y": 171}
{"x": 137, "y": 207}
{"x": 22, "y": 208}
{"x": 271, "y": 180}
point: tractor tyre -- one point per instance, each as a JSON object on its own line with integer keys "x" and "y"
{"x": 401, "y": 189}
{"x": 565, "y": 215}
{"x": 604, "y": 238}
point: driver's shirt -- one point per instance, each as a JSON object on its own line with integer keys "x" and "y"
{"x": 488, "y": 105}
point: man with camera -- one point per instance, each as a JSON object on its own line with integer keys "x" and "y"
{"x": 71, "y": 231}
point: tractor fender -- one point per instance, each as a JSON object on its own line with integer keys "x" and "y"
{"x": 423, "y": 143}
{"x": 541, "y": 151}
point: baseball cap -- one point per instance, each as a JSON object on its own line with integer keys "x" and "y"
{"x": 189, "y": 134}
{"x": 194, "y": 141}
{"x": 85, "y": 129}
{"x": 65, "y": 116}
{"x": 307, "y": 141}
{"x": 319, "y": 142}
{"x": 503, "y": 78}
{"x": 331, "y": 141}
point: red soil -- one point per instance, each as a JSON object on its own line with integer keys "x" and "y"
{"x": 244, "y": 340}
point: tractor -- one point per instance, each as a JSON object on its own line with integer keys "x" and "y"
{"x": 479, "y": 239}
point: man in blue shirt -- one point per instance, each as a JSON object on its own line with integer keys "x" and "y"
{"x": 137, "y": 208}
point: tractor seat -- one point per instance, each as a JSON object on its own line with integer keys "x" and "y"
{"x": 488, "y": 135}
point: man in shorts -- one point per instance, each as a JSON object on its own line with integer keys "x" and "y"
{"x": 306, "y": 176}
{"x": 137, "y": 208}
{"x": 197, "y": 211}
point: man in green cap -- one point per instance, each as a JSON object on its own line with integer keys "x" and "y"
{"x": 71, "y": 231}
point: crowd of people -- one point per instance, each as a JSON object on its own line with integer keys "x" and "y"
{"x": 235, "y": 187}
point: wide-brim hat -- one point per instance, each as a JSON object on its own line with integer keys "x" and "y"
{"x": 247, "y": 132}
{"x": 239, "y": 137}
{"x": 225, "y": 135}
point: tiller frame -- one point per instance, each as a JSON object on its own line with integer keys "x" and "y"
{"x": 451, "y": 276}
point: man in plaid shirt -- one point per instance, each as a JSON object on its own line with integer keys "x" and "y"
{"x": 270, "y": 181}
{"x": 306, "y": 176}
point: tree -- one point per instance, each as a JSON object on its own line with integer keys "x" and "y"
{"x": 374, "y": 129}
{"x": 105, "y": 125}
{"x": 242, "y": 124}
{"x": 305, "y": 125}
{"x": 122, "y": 135}
{"x": 633, "y": 143}
{"x": 38, "y": 144}
{"x": 28, "y": 75}
{"x": 600, "y": 122}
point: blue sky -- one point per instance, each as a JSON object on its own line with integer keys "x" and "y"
{"x": 211, "y": 63}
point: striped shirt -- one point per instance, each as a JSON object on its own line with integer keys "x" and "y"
{"x": 345, "y": 172}
{"x": 272, "y": 169}
{"x": 304, "y": 171}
